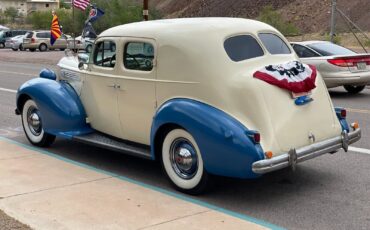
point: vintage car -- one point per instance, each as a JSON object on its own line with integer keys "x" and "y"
{"x": 204, "y": 96}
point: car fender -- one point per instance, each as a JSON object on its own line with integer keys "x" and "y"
{"x": 61, "y": 110}
{"x": 223, "y": 141}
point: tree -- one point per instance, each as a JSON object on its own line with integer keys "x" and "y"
{"x": 11, "y": 12}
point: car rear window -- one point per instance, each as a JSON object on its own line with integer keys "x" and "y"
{"x": 274, "y": 44}
{"x": 29, "y": 35}
{"x": 242, "y": 47}
{"x": 329, "y": 49}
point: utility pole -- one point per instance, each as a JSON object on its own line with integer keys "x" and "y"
{"x": 332, "y": 24}
{"x": 146, "y": 10}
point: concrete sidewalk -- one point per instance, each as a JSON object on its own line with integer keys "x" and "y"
{"x": 49, "y": 192}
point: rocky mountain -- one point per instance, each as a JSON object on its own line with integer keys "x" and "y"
{"x": 308, "y": 15}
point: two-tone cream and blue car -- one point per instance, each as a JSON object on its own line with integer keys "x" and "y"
{"x": 205, "y": 96}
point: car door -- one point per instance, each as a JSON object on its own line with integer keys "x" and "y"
{"x": 99, "y": 92}
{"x": 136, "y": 95}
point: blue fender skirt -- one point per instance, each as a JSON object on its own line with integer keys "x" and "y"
{"x": 226, "y": 148}
{"x": 61, "y": 110}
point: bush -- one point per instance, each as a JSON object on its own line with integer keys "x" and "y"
{"x": 367, "y": 43}
{"x": 336, "y": 39}
{"x": 273, "y": 18}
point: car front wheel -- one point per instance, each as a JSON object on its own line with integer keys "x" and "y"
{"x": 182, "y": 162}
{"x": 32, "y": 125}
{"x": 352, "y": 89}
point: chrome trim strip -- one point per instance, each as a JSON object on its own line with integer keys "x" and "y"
{"x": 295, "y": 156}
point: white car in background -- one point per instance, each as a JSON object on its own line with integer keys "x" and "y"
{"x": 80, "y": 43}
{"x": 15, "y": 43}
{"x": 338, "y": 65}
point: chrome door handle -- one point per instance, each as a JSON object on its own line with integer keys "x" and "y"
{"x": 114, "y": 86}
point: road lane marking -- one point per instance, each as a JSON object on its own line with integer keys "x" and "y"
{"x": 15, "y": 73}
{"x": 359, "y": 150}
{"x": 358, "y": 110}
{"x": 8, "y": 90}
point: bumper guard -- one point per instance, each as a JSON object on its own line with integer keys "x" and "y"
{"x": 294, "y": 156}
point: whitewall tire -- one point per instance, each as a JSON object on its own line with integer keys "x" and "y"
{"x": 32, "y": 125}
{"x": 182, "y": 162}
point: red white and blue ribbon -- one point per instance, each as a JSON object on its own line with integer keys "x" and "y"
{"x": 293, "y": 76}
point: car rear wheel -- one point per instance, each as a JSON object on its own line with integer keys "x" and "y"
{"x": 353, "y": 89}
{"x": 2, "y": 45}
{"x": 182, "y": 162}
{"x": 21, "y": 47}
{"x": 43, "y": 47}
{"x": 32, "y": 125}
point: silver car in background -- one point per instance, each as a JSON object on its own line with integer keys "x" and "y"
{"x": 15, "y": 43}
{"x": 338, "y": 65}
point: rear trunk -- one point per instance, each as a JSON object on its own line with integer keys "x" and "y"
{"x": 296, "y": 126}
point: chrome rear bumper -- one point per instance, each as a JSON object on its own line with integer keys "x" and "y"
{"x": 294, "y": 156}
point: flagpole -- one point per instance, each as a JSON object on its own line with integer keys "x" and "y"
{"x": 73, "y": 26}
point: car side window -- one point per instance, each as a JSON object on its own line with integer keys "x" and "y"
{"x": 304, "y": 52}
{"x": 105, "y": 54}
{"x": 138, "y": 56}
{"x": 242, "y": 47}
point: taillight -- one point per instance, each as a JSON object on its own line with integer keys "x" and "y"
{"x": 341, "y": 113}
{"x": 33, "y": 40}
{"x": 254, "y": 136}
{"x": 350, "y": 61}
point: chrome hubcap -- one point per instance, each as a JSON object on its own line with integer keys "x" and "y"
{"x": 33, "y": 120}
{"x": 183, "y": 158}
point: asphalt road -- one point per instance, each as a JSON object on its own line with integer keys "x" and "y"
{"x": 329, "y": 192}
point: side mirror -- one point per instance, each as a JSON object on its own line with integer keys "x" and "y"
{"x": 83, "y": 60}
{"x": 82, "y": 66}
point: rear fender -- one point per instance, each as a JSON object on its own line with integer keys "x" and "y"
{"x": 61, "y": 110}
{"x": 223, "y": 141}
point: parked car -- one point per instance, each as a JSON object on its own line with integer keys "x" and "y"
{"x": 80, "y": 43}
{"x": 338, "y": 65}
{"x": 15, "y": 43}
{"x": 205, "y": 96}
{"x": 41, "y": 40}
{"x": 5, "y": 34}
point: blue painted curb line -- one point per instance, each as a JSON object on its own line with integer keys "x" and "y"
{"x": 148, "y": 186}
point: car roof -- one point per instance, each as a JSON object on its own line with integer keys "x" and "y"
{"x": 309, "y": 42}
{"x": 166, "y": 28}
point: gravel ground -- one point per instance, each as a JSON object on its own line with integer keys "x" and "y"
{"x": 6, "y": 222}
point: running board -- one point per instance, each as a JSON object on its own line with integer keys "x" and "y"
{"x": 107, "y": 142}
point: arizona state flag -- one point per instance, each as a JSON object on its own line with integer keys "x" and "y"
{"x": 55, "y": 32}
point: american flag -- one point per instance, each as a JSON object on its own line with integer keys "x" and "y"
{"x": 81, "y": 4}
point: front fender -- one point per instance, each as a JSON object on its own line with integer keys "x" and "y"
{"x": 61, "y": 110}
{"x": 225, "y": 147}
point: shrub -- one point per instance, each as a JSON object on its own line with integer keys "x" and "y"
{"x": 336, "y": 38}
{"x": 274, "y": 18}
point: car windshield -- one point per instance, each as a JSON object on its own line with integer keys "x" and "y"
{"x": 329, "y": 49}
